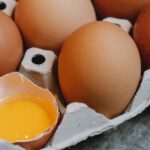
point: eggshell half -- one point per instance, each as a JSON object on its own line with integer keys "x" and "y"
{"x": 15, "y": 83}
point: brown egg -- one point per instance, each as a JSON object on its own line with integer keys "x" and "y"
{"x": 11, "y": 48}
{"x": 46, "y": 24}
{"x": 128, "y": 9}
{"x": 100, "y": 65}
{"x": 142, "y": 36}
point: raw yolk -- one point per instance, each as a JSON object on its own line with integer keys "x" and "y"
{"x": 21, "y": 118}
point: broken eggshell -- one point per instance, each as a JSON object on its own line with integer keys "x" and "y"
{"x": 15, "y": 83}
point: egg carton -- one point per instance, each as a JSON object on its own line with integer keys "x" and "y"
{"x": 8, "y": 6}
{"x": 79, "y": 121}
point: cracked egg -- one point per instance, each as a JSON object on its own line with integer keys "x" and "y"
{"x": 28, "y": 113}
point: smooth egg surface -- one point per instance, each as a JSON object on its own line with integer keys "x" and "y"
{"x": 47, "y": 24}
{"x": 127, "y": 9}
{"x": 11, "y": 47}
{"x": 142, "y": 36}
{"x": 100, "y": 65}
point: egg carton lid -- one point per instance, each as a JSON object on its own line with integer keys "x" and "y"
{"x": 80, "y": 122}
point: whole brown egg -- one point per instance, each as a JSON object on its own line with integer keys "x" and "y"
{"x": 11, "y": 47}
{"x": 48, "y": 23}
{"x": 100, "y": 65}
{"x": 128, "y": 9}
{"x": 142, "y": 36}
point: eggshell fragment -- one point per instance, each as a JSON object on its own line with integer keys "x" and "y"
{"x": 15, "y": 83}
{"x": 11, "y": 47}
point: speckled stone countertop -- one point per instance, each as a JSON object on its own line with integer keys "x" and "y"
{"x": 131, "y": 135}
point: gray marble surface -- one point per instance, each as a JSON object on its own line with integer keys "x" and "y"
{"x": 131, "y": 135}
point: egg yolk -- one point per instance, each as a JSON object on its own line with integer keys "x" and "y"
{"x": 21, "y": 118}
